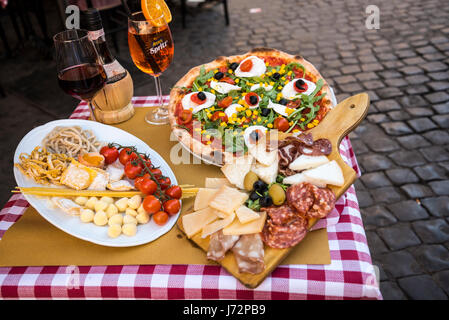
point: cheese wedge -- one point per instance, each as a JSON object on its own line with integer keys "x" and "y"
{"x": 228, "y": 199}
{"x": 304, "y": 162}
{"x": 203, "y": 197}
{"x": 245, "y": 214}
{"x": 259, "y": 152}
{"x": 267, "y": 174}
{"x": 235, "y": 172}
{"x": 329, "y": 173}
{"x": 238, "y": 228}
{"x": 299, "y": 178}
{"x": 194, "y": 222}
{"x": 216, "y": 183}
{"x": 217, "y": 225}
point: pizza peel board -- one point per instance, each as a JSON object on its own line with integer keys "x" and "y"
{"x": 337, "y": 123}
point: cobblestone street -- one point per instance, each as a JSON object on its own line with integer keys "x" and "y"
{"x": 402, "y": 146}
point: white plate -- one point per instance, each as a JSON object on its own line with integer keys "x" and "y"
{"x": 72, "y": 224}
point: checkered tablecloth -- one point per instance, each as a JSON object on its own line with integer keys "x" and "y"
{"x": 350, "y": 275}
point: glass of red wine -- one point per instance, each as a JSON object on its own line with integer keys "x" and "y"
{"x": 80, "y": 73}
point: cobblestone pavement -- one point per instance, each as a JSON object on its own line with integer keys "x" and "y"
{"x": 402, "y": 146}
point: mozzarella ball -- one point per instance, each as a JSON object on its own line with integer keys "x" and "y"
{"x": 129, "y": 219}
{"x": 90, "y": 204}
{"x": 100, "y": 206}
{"x": 100, "y": 218}
{"x": 87, "y": 215}
{"x": 135, "y": 202}
{"x": 122, "y": 204}
{"x": 114, "y": 230}
{"x": 81, "y": 200}
{"x": 143, "y": 218}
{"x": 108, "y": 200}
{"x": 129, "y": 229}
{"x": 141, "y": 209}
{"x": 111, "y": 210}
{"x": 116, "y": 219}
{"x": 131, "y": 212}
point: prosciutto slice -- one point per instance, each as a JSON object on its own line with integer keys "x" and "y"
{"x": 219, "y": 244}
{"x": 249, "y": 253}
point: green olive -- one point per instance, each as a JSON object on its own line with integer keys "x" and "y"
{"x": 277, "y": 194}
{"x": 250, "y": 178}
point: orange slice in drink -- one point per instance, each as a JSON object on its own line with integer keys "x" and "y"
{"x": 153, "y": 10}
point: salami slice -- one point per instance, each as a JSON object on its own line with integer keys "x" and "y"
{"x": 323, "y": 204}
{"x": 284, "y": 235}
{"x": 281, "y": 215}
{"x": 301, "y": 197}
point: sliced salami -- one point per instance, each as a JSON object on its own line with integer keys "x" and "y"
{"x": 284, "y": 235}
{"x": 323, "y": 204}
{"x": 282, "y": 214}
{"x": 300, "y": 196}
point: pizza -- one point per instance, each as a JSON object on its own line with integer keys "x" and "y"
{"x": 216, "y": 109}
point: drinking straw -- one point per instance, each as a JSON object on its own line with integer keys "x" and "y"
{"x": 148, "y": 57}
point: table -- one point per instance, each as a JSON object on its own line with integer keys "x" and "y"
{"x": 350, "y": 275}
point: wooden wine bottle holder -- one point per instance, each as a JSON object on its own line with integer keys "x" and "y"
{"x": 113, "y": 103}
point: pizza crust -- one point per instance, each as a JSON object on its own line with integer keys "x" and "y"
{"x": 207, "y": 152}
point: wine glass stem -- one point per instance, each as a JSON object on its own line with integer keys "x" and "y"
{"x": 92, "y": 111}
{"x": 162, "y": 110}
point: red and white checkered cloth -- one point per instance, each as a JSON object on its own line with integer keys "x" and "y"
{"x": 350, "y": 275}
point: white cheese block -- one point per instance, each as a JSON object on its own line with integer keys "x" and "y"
{"x": 328, "y": 173}
{"x": 238, "y": 228}
{"x": 289, "y": 92}
{"x": 217, "y": 225}
{"x": 187, "y": 103}
{"x": 203, "y": 197}
{"x": 267, "y": 174}
{"x": 194, "y": 222}
{"x": 245, "y": 214}
{"x": 223, "y": 87}
{"x": 259, "y": 152}
{"x": 300, "y": 178}
{"x": 304, "y": 162}
{"x": 216, "y": 183}
{"x": 228, "y": 199}
{"x": 235, "y": 171}
{"x": 257, "y": 69}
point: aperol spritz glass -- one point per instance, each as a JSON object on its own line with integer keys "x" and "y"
{"x": 151, "y": 47}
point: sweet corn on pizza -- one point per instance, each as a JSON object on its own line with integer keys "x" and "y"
{"x": 218, "y": 109}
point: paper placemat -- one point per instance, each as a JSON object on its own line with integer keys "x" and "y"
{"x": 32, "y": 241}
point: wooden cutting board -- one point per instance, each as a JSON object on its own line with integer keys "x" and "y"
{"x": 341, "y": 120}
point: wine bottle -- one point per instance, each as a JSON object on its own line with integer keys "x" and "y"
{"x": 113, "y": 103}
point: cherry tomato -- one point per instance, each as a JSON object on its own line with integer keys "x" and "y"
{"x": 126, "y": 155}
{"x": 228, "y": 80}
{"x": 138, "y": 182}
{"x": 251, "y": 101}
{"x": 147, "y": 186}
{"x": 160, "y": 218}
{"x": 246, "y": 65}
{"x": 151, "y": 204}
{"x": 224, "y": 103}
{"x": 164, "y": 183}
{"x": 109, "y": 154}
{"x": 132, "y": 169}
{"x": 174, "y": 192}
{"x": 185, "y": 117}
{"x": 300, "y": 86}
{"x": 156, "y": 172}
{"x": 172, "y": 206}
{"x": 281, "y": 124}
{"x": 197, "y": 99}
{"x": 219, "y": 115}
